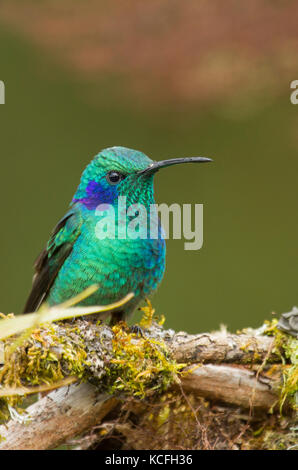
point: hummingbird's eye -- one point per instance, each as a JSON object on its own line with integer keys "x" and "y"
{"x": 114, "y": 177}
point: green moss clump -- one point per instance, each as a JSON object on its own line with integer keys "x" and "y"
{"x": 45, "y": 357}
{"x": 140, "y": 366}
{"x": 287, "y": 348}
{"x": 117, "y": 362}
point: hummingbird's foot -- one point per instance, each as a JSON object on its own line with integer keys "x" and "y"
{"x": 138, "y": 331}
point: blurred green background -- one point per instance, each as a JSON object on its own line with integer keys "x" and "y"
{"x": 60, "y": 113}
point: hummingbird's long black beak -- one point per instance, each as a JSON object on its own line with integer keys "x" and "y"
{"x": 155, "y": 166}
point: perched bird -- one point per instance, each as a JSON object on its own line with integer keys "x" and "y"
{"x": 76, "y": 258}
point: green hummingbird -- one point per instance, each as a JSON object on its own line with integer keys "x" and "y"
{"x": 75, "y": 257}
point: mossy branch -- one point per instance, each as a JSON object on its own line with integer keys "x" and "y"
{"x": 247, "y": 370}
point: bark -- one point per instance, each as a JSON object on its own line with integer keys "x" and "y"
{"x": 62, "y": 414}
{"x": 222, "y": 347}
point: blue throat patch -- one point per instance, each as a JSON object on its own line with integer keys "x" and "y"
{"x": 97, "y": 193}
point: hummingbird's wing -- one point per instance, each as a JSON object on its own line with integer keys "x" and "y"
{"x": 51, "y": 259}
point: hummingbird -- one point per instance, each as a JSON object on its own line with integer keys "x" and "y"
{"x": 76, "y": 258}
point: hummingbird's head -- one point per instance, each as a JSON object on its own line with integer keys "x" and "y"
{"x": 119, "y": 171}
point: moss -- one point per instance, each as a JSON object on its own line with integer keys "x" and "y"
{"x": 277, "y": 436}
{"x": 287, "y": 348}
{"x": 4, "y": 411}
{"x": 44, "y": 358}
{"x": 140, "y": 366}
{"x": 148, "y": 316}
{"x": 118, "y": 362}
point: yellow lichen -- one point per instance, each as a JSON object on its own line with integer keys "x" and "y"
{"x": 148, "y": 316}
{"x": 43, "y": 358}
{"x": 140, "y": 365}
{"x": 287, "y": 347}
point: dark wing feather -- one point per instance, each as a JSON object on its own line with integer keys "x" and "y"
{"x": 51, "y": 259}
